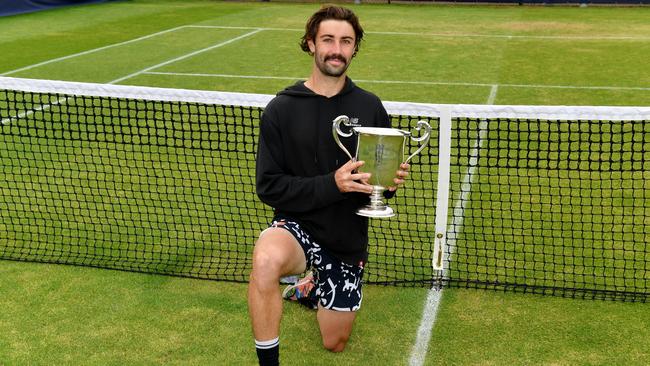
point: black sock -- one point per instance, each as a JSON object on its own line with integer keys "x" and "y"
{"x": 268, "y": 352}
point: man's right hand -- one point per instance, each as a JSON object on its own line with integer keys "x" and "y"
{"x": 348, "y": 180}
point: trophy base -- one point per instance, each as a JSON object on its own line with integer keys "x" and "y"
{"x": 376, "y": 212}
{"x": 376, "y": 207}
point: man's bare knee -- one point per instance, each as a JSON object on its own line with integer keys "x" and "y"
{"x": 276, "y": 253}
{"x": 335, "y": 344}
{"x": 265, "y": 263}
{"x": 335, "y": 328}
{"x": 266, "y": 270}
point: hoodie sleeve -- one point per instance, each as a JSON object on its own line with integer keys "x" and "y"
{"x": 283, "y": 191}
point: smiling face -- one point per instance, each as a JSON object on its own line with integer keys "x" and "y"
{"x": 333, "y": 47}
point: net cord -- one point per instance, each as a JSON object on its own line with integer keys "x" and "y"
{"x": 261, "y": 100}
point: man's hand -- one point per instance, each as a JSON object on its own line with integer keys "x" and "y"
{"x": 348, "y": 180}
{"x": 400, "y": 176}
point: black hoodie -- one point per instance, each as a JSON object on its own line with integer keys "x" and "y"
{"x": 297, "y": 157}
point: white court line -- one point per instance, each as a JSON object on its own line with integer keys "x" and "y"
{"x": 509, "y": 36}
{"x": 462, "y": 35}
{"x": 434, "y": 296}
{"x": 419, "y": 351}
{"x": 90, "y": 51}
{"x": 446, "y": 35}
{"x": 493, "y": 94}
{"x": 534, "y": 86}
{"x": 65, "y": 100}
{"x": 42, "y": 107}
{"x": 191, "y": 54}
{"x": 199, "y": 74}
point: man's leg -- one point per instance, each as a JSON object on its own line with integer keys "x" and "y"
{"x": 276, "y": 253}
{"x": 335, "y": 328}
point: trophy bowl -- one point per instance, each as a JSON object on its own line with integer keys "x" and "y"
{"x": 382, "y": 150}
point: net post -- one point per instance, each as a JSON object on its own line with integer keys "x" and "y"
{"x": 442, "y": 197}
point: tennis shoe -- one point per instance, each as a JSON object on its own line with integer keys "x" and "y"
{"x": 289, "y": 280}
{"x": 304, "y": 292}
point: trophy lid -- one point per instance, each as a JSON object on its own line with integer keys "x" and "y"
{"x": 381, "y": 131}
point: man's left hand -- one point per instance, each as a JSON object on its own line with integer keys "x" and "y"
{"x": 400, "y": 176}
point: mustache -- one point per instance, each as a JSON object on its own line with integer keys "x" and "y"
{"x": 336, "y": 57}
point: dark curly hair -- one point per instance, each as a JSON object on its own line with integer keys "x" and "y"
{"x": 328, "y": 12}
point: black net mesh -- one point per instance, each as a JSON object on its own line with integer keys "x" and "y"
{"x": 551, "y": 207}
{"x": 161, "y": 187}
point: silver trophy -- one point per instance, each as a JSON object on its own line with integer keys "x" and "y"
{"x": 382, "y": 150}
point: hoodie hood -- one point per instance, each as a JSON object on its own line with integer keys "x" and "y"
{"x": 321, "y": 106}
{"x": 300, "y": 90}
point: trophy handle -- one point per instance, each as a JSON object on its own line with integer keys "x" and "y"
{"x": 424, "y": 138}
{"x": 336, "y": 131}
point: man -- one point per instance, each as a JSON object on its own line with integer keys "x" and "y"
{"x": 314, "y": 190}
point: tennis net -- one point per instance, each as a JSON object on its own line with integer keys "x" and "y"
{"x": 549, "y": 200}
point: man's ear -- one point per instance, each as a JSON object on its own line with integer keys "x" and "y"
{"x": 312, "y": 46}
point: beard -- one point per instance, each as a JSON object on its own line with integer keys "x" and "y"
{"x": 328, "y": 69}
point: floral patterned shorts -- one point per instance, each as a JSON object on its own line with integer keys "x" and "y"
{"x": 338, "y": 284}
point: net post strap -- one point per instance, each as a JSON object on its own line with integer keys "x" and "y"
{"x": 442, "y": 199}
